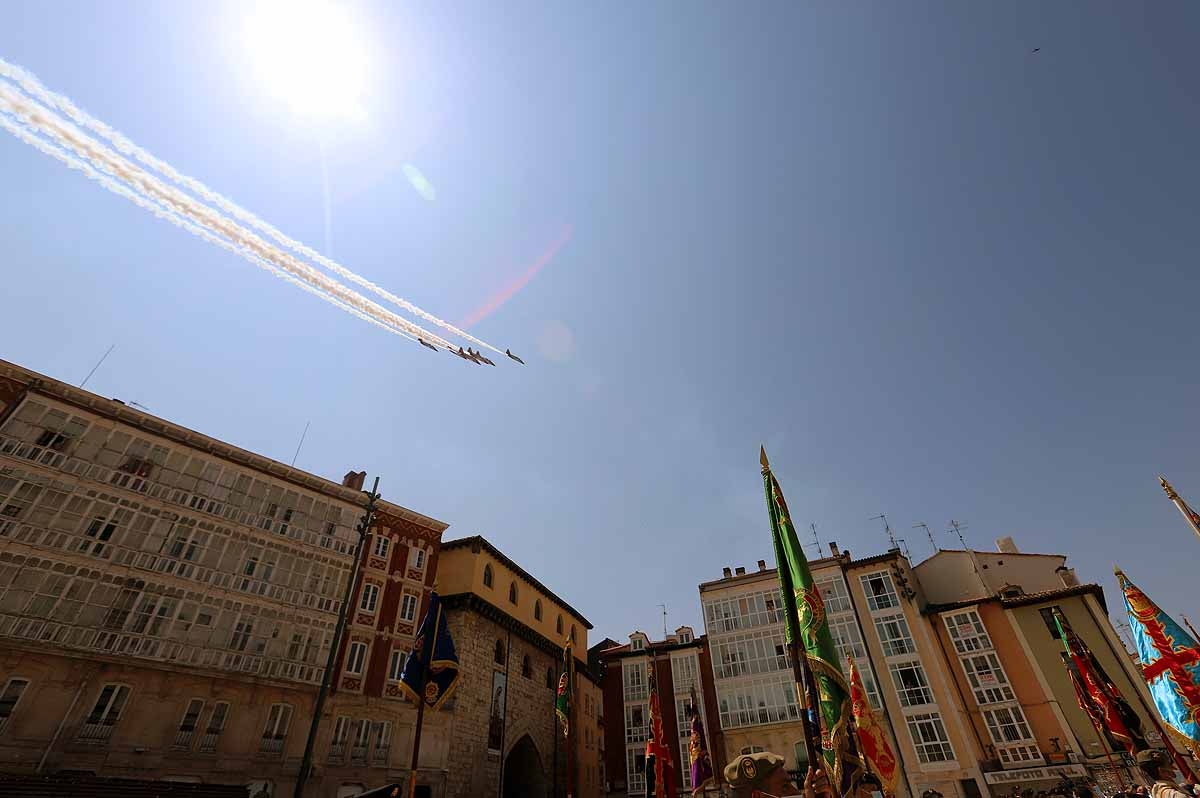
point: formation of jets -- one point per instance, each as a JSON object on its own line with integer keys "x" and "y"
{"x": 478, "y": 358}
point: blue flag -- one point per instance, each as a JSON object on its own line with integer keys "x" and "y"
{"x": 431, "y": 672}
{"x": 1170, "y": 661}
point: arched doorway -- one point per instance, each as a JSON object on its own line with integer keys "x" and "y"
{"x": 523, "y": 773}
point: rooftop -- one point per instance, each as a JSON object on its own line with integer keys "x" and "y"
{"x": 478, "y": 542}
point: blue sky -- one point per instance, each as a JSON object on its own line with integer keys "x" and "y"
{"x": 940, "y": 276}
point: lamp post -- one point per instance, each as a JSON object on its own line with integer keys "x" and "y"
{"x": 364, "y": 526}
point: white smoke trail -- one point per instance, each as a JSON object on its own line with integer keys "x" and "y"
{"x": 29, "y": 137}
{"x": 46, "y": 122}
{"x": 29, "y": 82}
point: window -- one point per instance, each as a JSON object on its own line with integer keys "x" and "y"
{"x": 276, "y": 729}
{"x": 419, "y": 559}
{"x": 382, "y": 547}
{"x": 356, "y": 658}
{"x": 105, "y": 714}
{"x": 1048, "y": 619}
{"x": 683, "y": 673}
{"x": 9, "y": 699}
{"x": 487, "y": 576}
{"x": 770, "y": 699}
{"x": 759, "y": 651}
{"x": 97, "y": 535}
{"x": 634, "y": 676}
{"x": 498, "y": 656}
{"x": 550, "y": 678}
{"x": 216, "y": 724}
{"x": 987, "y": 678}
{"x": 967, "y": 632}
{"x": 187, "y": 726}
{"x": 526, "y": 670}
{"x": 241, "y": 635}
{"x": 572, "y": 633}
{"x": 635, "y": 723}
{"x": 396, "y": 664}
{"x": 685, "y": 636}
{"x": 1007, "y": 725}
{"x": 846, "y": 637}
{"x": 537, "y": 609}
{"x": 1019, "y": 755}
{"x": 341, "y": 733}
{"x": 637, "y": 643}
{"x": 751, "y": 749}
{"x": 745, "y": 611}
{"x": 558, "y": 626}
{"x": 408, "y": 607}
{"x": 881, "y": 593}
{"x": 911, "y": 685}
{"x": 362, "y": 739}
{"x": 635, "y": 770}
{"x": 512, "y": 593}
{"x": 834, "y": 594}
{"x": 382, "y": 732}
{"x": 894, "y": 635}
{"x": 370, "y": 597}
{"x": 929, "y": 737}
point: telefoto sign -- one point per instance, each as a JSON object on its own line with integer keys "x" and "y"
{"x": 1035, "y": 774}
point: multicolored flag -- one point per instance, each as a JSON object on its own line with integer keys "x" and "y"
{"x": 660, "y": 780}
{"x": 702, "y": 772}
{"x": 566, "y": 687}
{"x": 1170, "y": 663}
{"x": 804, "y": 604}
{"x": 431, "y": 672}
{"x": 871, "y": 740}
{"x": 1193, "y": 518}
{"x": 1096, "y": 693}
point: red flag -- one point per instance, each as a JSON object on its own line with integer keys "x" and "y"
{"x": 871, "y": 741}
{"x": 661, "y": 783}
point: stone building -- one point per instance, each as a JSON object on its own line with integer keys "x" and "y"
{"x": 167, "y": 604}
{"x": 683, "y": 674}
{"x": 510, "y": 630}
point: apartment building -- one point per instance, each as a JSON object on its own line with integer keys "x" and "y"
{"x": 167, "y": 603}
{"x": 682, "y": 672}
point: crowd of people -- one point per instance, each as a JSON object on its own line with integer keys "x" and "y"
{"x": 762, "y": 775}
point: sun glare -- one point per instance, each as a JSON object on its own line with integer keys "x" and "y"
{"x": 311, "y": 55}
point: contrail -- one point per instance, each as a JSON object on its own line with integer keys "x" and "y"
{"x": 29, "y": 137}
{"x": 35, "y": 89}
{"x": 45, "y": 121}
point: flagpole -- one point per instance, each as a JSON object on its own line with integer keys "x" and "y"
{"x": 364, "y": 526}
{"x": 805, "y": 686}
{"x": 1181, "y": 505}
{"x": 426, "y": 655}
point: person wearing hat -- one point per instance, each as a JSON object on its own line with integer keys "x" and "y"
{"x": 760, "y": 773}
{"x": 1158, "y": 769}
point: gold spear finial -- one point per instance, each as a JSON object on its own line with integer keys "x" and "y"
{"x": 762, "y": 458}
{"x": 1171, "y": 494}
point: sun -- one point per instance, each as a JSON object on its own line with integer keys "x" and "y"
{"x": 310, "y": 54}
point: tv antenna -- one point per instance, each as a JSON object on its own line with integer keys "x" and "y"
{"x": 816, "y": 539}
{"x": 98, "y": 364}
{"x": 664, "y": 610}
{"x": 957, "y": 529}
{"x": 887, "y": 529}
{"x": 928, "y": 534}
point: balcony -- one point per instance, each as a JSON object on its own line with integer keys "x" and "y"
{"x": 95, "y": 733}
{"x": 208, "y": 743}
{"x": 183, "y": 739}
{"x": 271, "y": 745}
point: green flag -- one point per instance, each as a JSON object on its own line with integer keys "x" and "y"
{"x": 566, "y": 685}
{"x": 807, "y": 624}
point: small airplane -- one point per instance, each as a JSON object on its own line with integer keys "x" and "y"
{"x": 479, "y": 357}
{"x": 423, "y": 342}
{"x": 461, "y": 353}
{"x": 514, "y": 357}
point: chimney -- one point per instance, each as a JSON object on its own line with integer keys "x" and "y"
{"x": 833, "y": 549}
{"x": 1005, "y": 545}
{"x": 762, "y": 565}
{"x": 739, "y": 571}
{"x": 727, "y": 573}
{"x": 354, "y": 480}
{"x": 1067, "y": 576}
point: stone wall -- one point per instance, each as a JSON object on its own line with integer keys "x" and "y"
{"x": 474, "y": 772}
